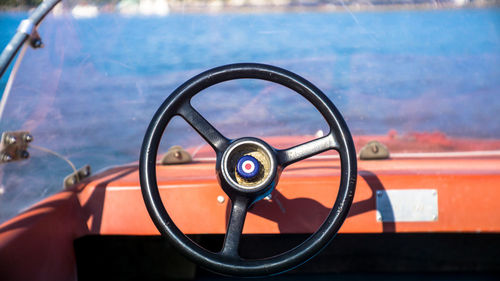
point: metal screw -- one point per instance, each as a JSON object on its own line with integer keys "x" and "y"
{"x": 25, "y": 154}
{"x": 268, "y": 197}
{"x": 6, "y": 158}
{"x": 28, "y": 138}
{"x": 435, "y": 217}
{"x": 220, "y": 199}
{"x": 10, "y": 139}
{"x": 71, "y": 181}
{"x": 36, "y": 43}
{"x": 379, "y": 193}
{"x": 177, "y": 155}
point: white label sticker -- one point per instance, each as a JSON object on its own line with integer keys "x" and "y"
{"x": 411, "y": 205}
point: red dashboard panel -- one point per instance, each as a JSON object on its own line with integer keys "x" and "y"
{"x": 466, "y": 188}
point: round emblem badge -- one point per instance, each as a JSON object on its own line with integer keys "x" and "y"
{"x": 247, "y": 167}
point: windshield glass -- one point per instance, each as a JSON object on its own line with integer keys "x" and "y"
{"x": 416, "y": 80}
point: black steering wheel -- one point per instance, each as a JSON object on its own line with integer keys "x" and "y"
{"x": 248, "y": 169}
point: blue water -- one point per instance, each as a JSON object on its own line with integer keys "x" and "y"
{"x": 372, "y": 59}
{"x": 90, "y": 93}
{"x": 8, "y": 27}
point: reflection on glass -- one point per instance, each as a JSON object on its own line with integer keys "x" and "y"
{"x": 419, "y": 80}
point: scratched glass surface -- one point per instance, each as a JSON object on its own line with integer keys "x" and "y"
{"x": 426, "y": 76}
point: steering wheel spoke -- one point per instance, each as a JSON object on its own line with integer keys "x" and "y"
{"x": 235, "y": 227}
{"x": 211, "y": 135}
{"x": 306, "y": 150}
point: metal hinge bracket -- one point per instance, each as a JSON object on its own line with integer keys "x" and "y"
{"x": 76, "y": 176}
{"x": 14, "y": 146}
{"x": 27, "y": 27}
{"x": 176, "y": 155}
{"x": 374, "y": 150}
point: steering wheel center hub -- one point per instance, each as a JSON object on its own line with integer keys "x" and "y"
{"x": 248, "y": 165}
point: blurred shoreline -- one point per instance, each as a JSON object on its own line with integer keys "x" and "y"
{"x": 276, "y": 6}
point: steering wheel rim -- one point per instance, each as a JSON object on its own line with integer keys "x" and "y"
{"x": 226, "y": 262}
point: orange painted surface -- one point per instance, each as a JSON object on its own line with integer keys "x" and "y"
{"x": 38, "y": 244}
{"x": 468, "y": 197}
{"x": 111, "y": 202}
